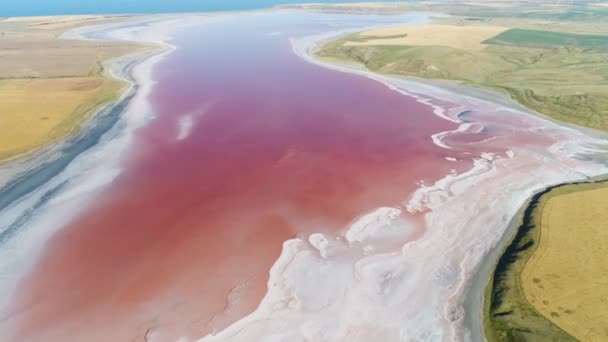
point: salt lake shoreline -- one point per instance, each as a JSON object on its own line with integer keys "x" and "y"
{"x": 474, "y": 299}
{"x": 19, "y": 177}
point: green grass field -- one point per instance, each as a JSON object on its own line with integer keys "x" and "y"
{"x": 510, "y": 316}
{"x": 548, "y": 39}
{"x": 568, "y": 83}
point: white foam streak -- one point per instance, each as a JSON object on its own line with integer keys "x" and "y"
{"x": 185, "y": 124}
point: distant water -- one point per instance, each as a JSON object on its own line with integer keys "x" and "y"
{"x": 57, "y": 7}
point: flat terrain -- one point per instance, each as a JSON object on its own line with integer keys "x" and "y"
{"x": 552, "y": 58}
{"x": 36, "y": 111}
{"x": 566, "y": 278}
{"x": 48, "y": 86}
{"x": 548, "y": 40}
{"x": 558, "y": 74}
{"x": 509, "y": 315}
{"x": 479, "y": 9}
{"x": 460, "y": 37}
{"x": 550, "y": 284}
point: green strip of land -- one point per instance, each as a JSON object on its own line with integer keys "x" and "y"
{"x": 508, "y": 315}
{"x": 513, "y": 312}
{"x": 564, "y": 77}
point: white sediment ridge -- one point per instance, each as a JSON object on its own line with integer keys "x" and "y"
{"x": 356, "y": 286}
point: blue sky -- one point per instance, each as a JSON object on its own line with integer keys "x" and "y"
{"x": 53, "y": 7}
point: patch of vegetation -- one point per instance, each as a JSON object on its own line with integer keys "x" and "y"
{"x": 548, "y": 39}
{"x": 566, "y": 83}
{"x": 366, "y": 38}
{"x": 41, "y": 111}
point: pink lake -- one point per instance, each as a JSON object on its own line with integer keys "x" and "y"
{"x": 250, "y": 146}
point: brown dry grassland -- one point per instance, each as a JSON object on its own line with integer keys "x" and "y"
{"x": 49, "y": 86}
{"x": 551, "y": 283}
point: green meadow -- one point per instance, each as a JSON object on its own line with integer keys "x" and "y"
{"x": 548, "y": 39}
{"x": 561, "y": 75}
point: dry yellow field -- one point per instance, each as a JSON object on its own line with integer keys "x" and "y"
{"x": 48, "y": 85}
{"x": 566, "y": 279}
{"x": 461, "y": 37}
{"x": 38, "y": 111}
{"x": 50, "y": 23}
{"x": 31, "y": 48}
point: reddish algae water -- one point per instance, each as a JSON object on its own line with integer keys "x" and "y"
{"x": 250, "y": 146}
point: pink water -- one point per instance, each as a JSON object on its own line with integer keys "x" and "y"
{"x": 250, "y": 146}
